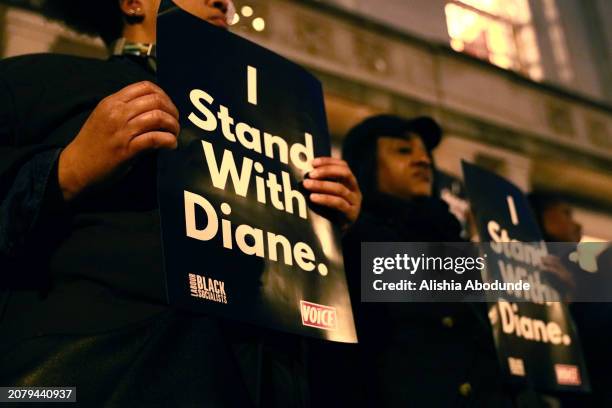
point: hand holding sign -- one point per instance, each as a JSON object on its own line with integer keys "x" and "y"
{"x": 333, "y": 185}
{"x": 138, "y": 118}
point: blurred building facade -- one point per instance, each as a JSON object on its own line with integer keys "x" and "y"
{"x": 523, "y": 87}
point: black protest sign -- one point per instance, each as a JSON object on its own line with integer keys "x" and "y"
{"x": 535, "y": 337}
{"x": 241, "y": 239}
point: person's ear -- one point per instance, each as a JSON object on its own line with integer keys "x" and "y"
{"x": 133, "y": 10}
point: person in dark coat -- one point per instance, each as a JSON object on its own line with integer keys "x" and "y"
{"x": 83, "y": 289}
{"x": 592, "y": 311}
{"x": 413, "y": 354}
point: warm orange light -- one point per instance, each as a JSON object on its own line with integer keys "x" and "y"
{"x": 259, "y": 24}
{"x": 495, "y": 30}
{"x": 246, "y": 11}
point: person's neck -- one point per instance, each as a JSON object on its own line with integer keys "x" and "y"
{"x": 139, "y": 33}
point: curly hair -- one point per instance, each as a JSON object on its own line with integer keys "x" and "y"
{"x": 93, "y": 17}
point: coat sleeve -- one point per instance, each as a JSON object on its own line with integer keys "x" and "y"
{"x": 30, "y": 196}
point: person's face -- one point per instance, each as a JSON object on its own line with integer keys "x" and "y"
{"x": 404, "y": 167}
{"x": 213, "y": 11}
{"x": 559, "y": 224}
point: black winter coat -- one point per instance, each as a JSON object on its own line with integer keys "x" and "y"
{"x": 83, "y": 295}
{"x": 414, "y": 354}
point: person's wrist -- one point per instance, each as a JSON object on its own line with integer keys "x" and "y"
{"x": 67, "y": 175}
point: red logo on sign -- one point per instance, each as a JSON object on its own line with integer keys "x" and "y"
{"x": 567, "y": 374}
{"x": 319, "y": 316}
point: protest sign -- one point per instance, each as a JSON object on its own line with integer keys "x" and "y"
{"x": 241, "y": 239}
{"x": 535, "y": 337}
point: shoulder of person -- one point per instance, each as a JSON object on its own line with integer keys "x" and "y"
{"x": 28, "y": 75}
{"x": 24, "y": 65}
{"x": 38, "y": 90}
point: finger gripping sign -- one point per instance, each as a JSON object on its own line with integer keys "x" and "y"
{"x": 241, "y": 239}
{"x": 534, "y": 334}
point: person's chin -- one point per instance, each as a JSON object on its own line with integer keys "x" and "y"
{"x": 219, "y": 22}
{"x": 422, "y": 189}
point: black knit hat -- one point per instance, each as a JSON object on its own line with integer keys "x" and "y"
{"x": 359, "y": 147}
{"x": 374, "y": 127}
{"x": 93, "y": 17}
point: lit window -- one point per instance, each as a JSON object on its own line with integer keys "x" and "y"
{"x": 499, "y": 31}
